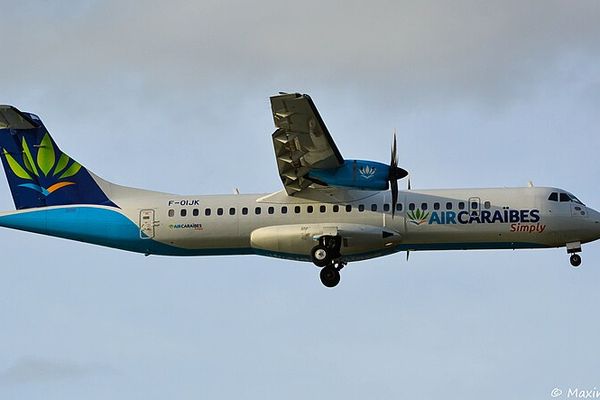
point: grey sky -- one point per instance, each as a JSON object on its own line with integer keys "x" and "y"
{"x": 426, "y": 49}
{"x": 480, "y": 94}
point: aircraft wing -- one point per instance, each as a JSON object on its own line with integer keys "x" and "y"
{"x": 302, "y": 141}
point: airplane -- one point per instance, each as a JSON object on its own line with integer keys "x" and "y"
{"x": 331, "y": 210}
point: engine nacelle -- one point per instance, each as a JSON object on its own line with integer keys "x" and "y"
{"x": 357, "y": 240}
{"x": 354, "y": 174}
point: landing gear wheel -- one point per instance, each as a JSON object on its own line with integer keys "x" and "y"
{"x": 575, "y": 260}
{"x": 320, "y": 256}
{"x": 330, "y": 276}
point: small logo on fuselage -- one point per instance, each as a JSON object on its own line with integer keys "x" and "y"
{"x": 193, "y": 226}
{"x": 417, "y": 217}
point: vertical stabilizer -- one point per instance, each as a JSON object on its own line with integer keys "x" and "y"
{"x": 38, "y": 172}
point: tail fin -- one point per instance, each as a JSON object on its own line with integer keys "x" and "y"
{"x": 38, "y": 173}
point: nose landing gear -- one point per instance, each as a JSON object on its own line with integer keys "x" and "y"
{"x": 575, "y": 260}
{"x": 573, "y": 249}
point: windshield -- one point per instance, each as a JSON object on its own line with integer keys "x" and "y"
{"x": 564, "y": 197}
{"x": 575, "y": 199}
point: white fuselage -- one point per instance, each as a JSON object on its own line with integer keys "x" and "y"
{"x": 286, "y": 226}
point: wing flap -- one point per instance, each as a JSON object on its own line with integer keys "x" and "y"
{"x": 301, "y": 141}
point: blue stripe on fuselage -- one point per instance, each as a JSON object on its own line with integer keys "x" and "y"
{"x": 101, "y": 226}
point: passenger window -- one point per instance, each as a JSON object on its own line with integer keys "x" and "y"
{"x": 171, "y": 213}
{"x": 271, "y": 210}
{"x": 423, "y": 206}
{"x": 461, "y": 205}
{"x": 399, "y": 207}
{"x": 487, "y": 205}
{"x": 183, "y": 212}
{"x": 373, "y": 207}
{"x": 322, "y": 209}
{"x": 386, "y": 207}
{"x": 219, "y": 211}
{"x": 245, "y": 211}
{"x": 361, "y": 207}
{"x": 474, "y": 205}
{"x": 449, "y": 205}
{"x": 232, "y": 211}
{"x": 284, "y": 210}
{"x": 207, "y": 212}
{"x": 564, "y": 197}
{"x": 348, "y": 207}
{"x": 257, "y": 210}
{"x": 336, "y": 208}
{"x": 411, "y": 206}
{"x": 195, "y": 212}
{"x": 436, "y": 206}
{"x": 297, "y": 209}
{"x": 309, "y": 209}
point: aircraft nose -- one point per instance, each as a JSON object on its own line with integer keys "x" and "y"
{"x": 594, "y": 222}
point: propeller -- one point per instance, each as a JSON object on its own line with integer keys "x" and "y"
{"x": 395, "y": 174}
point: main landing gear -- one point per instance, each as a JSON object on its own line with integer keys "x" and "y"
{"x": 573, "y": 249}
{"x": 326, "y": 255}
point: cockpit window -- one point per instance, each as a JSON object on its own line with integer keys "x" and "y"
{"x": 575, "y": 199}
{"x": 564, "y": 197}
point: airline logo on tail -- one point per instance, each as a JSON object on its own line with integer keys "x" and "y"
{"x": 48, "y": 166}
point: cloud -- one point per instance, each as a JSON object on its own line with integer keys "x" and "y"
{"x": 430, "y": 50}
{"x": 32, "y": 370}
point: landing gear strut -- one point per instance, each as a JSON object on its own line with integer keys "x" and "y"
{"x": 326, "y": 255}
{"x": 326, "y": 251}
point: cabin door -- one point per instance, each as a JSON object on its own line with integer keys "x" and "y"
{"x": 147, "y": 224}
{"x": 474, "y": 206}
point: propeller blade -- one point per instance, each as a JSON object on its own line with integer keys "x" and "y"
{"x": 395, "y": 174}
{"x": 394, "y": 158}
{"x": 394, "y": 187}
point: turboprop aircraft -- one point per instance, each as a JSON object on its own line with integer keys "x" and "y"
{"x": 331, "y": 210}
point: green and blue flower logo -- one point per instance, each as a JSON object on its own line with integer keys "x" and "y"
{"x": 417, "y": 217}
{"x": 47, "y": 166}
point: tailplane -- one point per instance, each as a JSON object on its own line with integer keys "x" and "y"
{"x": 38, "y": 172}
